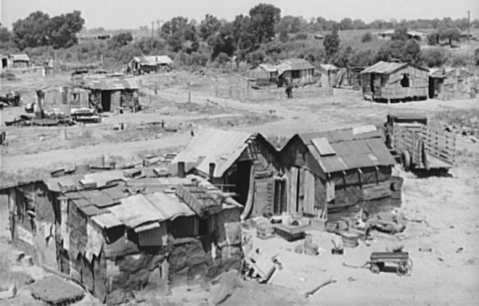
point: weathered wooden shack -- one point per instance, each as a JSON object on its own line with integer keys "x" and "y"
{"x": 296, "y": 70}
{"x": 263, "y": 74}
{"x": 149, "y": 64}
{"x": 451, "y": 83}
{"x": 114, "y": 93}
{"x": 338, "y": 174}
{"x": 64, "y": 97}
{"x": 244, "y": 164}
{"x": 329, "y": 75}
{"x": 392, "y": 82}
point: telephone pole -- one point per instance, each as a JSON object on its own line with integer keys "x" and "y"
{"x": 468, "y": 27}
{"x": 152, "y": 28}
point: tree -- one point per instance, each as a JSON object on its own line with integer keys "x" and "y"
{"x": 400, "y": 34}
{"x": 223, "y": 42}
{"x": 283, "y": 36}
{"x": 264, "y": 18}
{"x": 120, "y": 40}
{"x": 38, "y": 29}
{"x": 434, "y": 57}
{"x": 367, "y": 37}
{"x": 476, "y": 57}
{"x": 346, "y": 24}
{"x": 209, "y": 26}
{"x": 450, "y": 34}
{"x": 400, "y": 50}
{"x": 5, "y": 34}
{"x": 331, "y": 44}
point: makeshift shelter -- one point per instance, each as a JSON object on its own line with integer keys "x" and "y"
{"x": 246, "y": 165}
{"x": 105, "y": 232}
{"x": 114, "y": 93}
{"x": 336, "y": 174}
{"x": 149, "y": 63}
{"x": 20, "y": 60}
{"x": 329, "y": 75}
{"x": 263, "y": 74}
{"x": 296, "y": 70}
{"x": 65, "y": 97}
{"x": 411, "y": 34}
{"x": 392, "y": 82}
{"x": 451, "y": 83}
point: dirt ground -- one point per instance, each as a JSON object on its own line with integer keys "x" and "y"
{"x": 443, "y": 245}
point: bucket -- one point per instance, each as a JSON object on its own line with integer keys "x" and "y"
{"x": 286, "y": 218}
{"x": 308, "y": 239}
{"x": 311, "y": 249}
{"x": 350, "y": 240}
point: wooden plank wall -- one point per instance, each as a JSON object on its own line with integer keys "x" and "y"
{"x": 439, "y": 144}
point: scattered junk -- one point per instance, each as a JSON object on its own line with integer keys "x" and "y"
{"x": 308, "y": 247}
{"x": 338, "y": 176}
{"x": 85, "y": 115}
{"x": 312, "y": 292}
{"x": 387, "y": 223}
{"x": 10, "y": 99}
{"x": 265, "y": 230}
{"x": 350, "y": 240}
{"x": 338, "y": 247}
{"x": 419, "y": 145}
{"x": 392, "y": 82}
{"x": 261, "y": 268}
{"x": 55, "y": 291}
{"x": 8, "y": 292}
{"x": 291, "y": 232}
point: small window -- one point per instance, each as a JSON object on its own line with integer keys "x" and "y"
{"x": 405, "y": 80}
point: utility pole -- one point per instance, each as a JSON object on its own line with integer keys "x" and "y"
{"x": 152, "y": 28}
{"x": 468, "y": 27}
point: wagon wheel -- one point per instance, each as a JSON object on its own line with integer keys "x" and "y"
{"x": 375, "y": 268}
{"x": 402, "y": 269}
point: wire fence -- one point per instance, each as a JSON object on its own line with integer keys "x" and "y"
{"x": 249, "y": 94}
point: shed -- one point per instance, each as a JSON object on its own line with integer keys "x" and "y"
{"x": 336, "y": 174}
{"x": 329, "y": 75}
{"x": 64, "y": 97}
{"x": 451, "y": 83}
{"x": 264, "y": 74}
{"x": 114, "y": 93}
{"x": 393, "y": 82}
{"x": 149, "y": 63}
{"x": 246, "y": 165}
{"x": 296, "y": 69}
{"x": 411, "y": 34}
{"x": 20, "y": 60}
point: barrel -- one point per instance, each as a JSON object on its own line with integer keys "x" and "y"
{"x": 350, "y": 240}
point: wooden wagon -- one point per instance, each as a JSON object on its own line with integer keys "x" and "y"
{"x": 400, "y": 259}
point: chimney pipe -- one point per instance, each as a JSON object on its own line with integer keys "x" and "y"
{"x": 212, "y": 171}
{"x": 181, "y": 169}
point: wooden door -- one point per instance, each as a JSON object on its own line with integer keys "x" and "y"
{"x": 308, "y": 192}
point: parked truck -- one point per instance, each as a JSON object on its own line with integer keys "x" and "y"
{"x": 418, "y": 145}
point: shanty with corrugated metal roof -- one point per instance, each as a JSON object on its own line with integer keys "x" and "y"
{"x": 336, "y": 171}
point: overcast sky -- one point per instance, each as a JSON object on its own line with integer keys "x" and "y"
{"x": 131, "y": 14}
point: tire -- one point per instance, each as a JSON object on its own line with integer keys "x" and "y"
{"x": 406, "y": 160}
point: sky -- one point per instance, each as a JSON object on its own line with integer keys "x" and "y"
{"x": 131, "y": 14}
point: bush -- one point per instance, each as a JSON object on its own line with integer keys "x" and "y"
{"x": 199, "y": 59}
{"x": 476, "y": 57}
{"x": 363, "y": 58}
{"x": 367, "y": 37}
{"x": 7, "y": 75}
{"x": 222, "y": 58}
{"x": 459, "y": 60}
{"x": 300, "y": 36}
{"x": 434, "y": 57}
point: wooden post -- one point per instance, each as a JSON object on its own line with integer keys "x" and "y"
{"x": 189, "y": 96}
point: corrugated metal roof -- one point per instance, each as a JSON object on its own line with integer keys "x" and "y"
{"x": 323, "y": 146}
{"x": 111, "y": 84}
{"x": 268, "y": 67}
{"x": 354, "y": 149}
{"x": 294, "y": 64}
{"x": 170, "y": 205}
{"x": 213, "y": 146}
{"x": 388, "y": 68}
{"x": 106, "y": 220}
{"x": 136, "y": 210}
{"x": 20, "y": 57}
{"x": 153, "y": 60}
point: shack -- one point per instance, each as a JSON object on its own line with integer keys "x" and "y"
{"x": 339, "y": 174}
{"x": 451, "y": 83}
{"x": 296, "y": 70}
{"x": 244, "y": 164}
{"x": 114, "y": 93}
{"x": 149, "y": 64}
{"x": 393, "y": 82}
{"x": 64, "y": 98}
{"x": 112, "y": 236}
{"x": 329, "y": 75}
{"x": 263, "y": 74}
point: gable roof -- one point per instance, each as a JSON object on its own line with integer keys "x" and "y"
{"x": 294, "y": 64}
{"x": 153, "y": 60}
{"x": 345, "y": 149}
{"x": 20, "y": 57}
{"x": 220, "y": 147}
{"x": 388, "y": 68}
{"x": 111, "y": 84}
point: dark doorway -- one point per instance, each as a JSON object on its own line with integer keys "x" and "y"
{"x": 241, "y": 180}
{"x": 371, "y": 82}
{"x": 431, "y": 88}
{"x": 106, "y": 101}
{"x": 4, "y": 63}
{"x": 279, "y": 197}
{"x": 203, "y": 227}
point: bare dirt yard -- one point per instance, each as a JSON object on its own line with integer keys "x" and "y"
{"x": 443, "y": 227}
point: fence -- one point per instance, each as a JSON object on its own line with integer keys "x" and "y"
{"x": 249, "y": 94}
